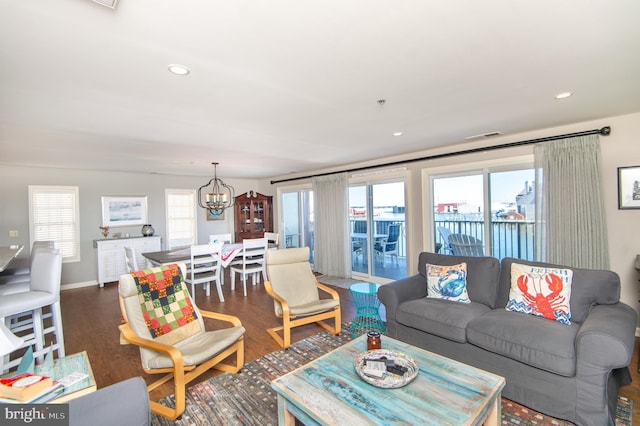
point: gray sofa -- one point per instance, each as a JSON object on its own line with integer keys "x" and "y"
{"x": 123, "y": 403}
{"x": 571, "y": 372}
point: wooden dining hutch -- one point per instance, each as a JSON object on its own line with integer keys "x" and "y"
{"x": 253, "y": 215}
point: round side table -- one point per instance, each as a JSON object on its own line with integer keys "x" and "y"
{"x": 365, "y": 297}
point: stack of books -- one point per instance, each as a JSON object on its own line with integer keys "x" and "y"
{"x": 28, "y": 388}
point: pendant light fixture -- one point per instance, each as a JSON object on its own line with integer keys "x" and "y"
{"x": 218, "y": 195}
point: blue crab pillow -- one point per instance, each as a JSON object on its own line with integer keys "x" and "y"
{"x": 544, "y": 292}
{"x": 448, "y": 282}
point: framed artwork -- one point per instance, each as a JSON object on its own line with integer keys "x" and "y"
{"x": 211, "y": 215}
{"x": 124, "y": 211}
{"x": 629, "y": 187}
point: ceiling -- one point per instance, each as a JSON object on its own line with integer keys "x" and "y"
{"x": 284, "y": 86}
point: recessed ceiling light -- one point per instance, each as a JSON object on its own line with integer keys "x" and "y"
{"x": 397, "y": 134}
{"x": 179, "y": 69}
{"x": 563, "y": 95}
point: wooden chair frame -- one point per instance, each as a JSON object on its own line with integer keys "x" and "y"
{"x": 289, "y": 321}
{"x": 180, "y": 373}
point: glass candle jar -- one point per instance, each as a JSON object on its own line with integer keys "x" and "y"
{"x": 373, "y": 340}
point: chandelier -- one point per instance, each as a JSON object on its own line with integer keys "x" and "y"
{"x": 218, "y": 197}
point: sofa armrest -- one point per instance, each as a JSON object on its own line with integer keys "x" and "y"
{"x": 397, "y": 292}
{"x": 123, "y": 403}
{"x": 607, "y": 337}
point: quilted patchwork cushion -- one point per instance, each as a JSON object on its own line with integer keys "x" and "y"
{"x": 536, "y": 341}
{"x": 440, "y": 317}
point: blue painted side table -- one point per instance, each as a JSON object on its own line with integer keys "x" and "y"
{"x": 365, "y": 297}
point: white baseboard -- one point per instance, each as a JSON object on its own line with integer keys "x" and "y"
{"x": 71, "y": 286}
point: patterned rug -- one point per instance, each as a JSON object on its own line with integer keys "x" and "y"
{"x": 246, "y": 398}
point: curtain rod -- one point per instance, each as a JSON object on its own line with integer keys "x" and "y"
{"x": 605, "y": 131}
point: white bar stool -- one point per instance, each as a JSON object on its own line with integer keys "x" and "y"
{"x": 44, "y": 290}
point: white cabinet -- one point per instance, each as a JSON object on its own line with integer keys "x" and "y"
{"x": 111, "y": 263}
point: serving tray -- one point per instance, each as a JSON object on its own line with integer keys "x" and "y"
{"x": 389, "y": 380}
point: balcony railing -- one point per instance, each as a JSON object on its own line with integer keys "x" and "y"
{"x": 509, "y": 238}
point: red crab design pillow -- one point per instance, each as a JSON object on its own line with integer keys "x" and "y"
{"x": 448, "y": 282}
{"x": 544, "y": 292}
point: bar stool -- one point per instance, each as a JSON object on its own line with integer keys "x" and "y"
{"x": 19, "y": 280}
{"x": 44, "y": 291}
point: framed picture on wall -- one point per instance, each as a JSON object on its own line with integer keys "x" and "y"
{"x": 124, "y": 211}
{"x": 211, "y": 215}
{"x": 629, "y": 187}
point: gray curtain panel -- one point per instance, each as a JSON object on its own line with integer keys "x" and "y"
{"x": 331, "y": 245}
{"x": 571, "y": 224}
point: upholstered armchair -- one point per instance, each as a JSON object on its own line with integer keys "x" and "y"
{"x": 174, "y": 341}
{"x": 295, "y": 294}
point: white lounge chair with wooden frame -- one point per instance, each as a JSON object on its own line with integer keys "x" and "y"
{"x": 187, "y": 350}
{"x": 295, "y": 294}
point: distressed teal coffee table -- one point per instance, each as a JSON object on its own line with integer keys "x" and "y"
{"x": 328, "y": 391}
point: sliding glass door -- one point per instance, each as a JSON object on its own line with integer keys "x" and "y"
{"x": 297, "y": 219}
{"x": 377, "y": 227}
{"x": 485, "y": 212}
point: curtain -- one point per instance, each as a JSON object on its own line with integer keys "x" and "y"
{"x": 331, "y": 255}
{"x": 571, "y": 225}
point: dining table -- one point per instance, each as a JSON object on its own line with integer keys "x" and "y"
{"x": 7, "y": 254}
{"x": 165, "y": 257}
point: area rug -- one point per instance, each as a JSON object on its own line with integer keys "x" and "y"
{"x": 246, "y": 398}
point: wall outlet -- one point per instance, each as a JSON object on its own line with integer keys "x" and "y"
{"x": 13, "y": 234}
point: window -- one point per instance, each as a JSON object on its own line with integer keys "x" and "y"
{"x": 297, "y": 218}
{"x": 54, "y": 216}
{"x": 181, "y": 217}
{"x": 490, "y": 210}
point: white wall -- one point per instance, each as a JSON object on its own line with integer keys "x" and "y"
{"x": 618, "y": 149}
{"x": 14, "y": 207}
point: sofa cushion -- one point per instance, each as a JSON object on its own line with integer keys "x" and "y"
{"x": 588, "y": 288}
{"x": 544, "y": 344}
{"x": 482, "y": 274}
{"x": 448, "y": 282}
{"x": 544, "y": 292}
{"x": 440, "y": 317}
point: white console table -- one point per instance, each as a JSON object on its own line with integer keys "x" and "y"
{"x": 111, "y": 261}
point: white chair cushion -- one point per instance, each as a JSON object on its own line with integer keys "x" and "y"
{"x": 195, "y": 349}
{"x": 25, "y": 301}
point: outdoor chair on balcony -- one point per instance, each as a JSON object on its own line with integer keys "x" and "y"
{"x": 445, "y": 248}
{"x": 465, "y": 245}
{"x": 359, "y": 240}
{"x": 388, "y": 246}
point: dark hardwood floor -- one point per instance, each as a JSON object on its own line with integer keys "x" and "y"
{"x": 91, "y": 317}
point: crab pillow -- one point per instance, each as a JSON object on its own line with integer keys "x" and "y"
{"x": 539, "y": 291}
{"x": 448, "y": 282}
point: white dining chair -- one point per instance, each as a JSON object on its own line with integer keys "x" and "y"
{"x": 130, "y": 259}
{"x": 222, "y": 238}
{"x": 272, "y": 238}
{"x": 252, "y": 262}
{"x": 205, "y": 269}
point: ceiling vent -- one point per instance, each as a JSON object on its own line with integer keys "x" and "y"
{"x": 111, "y": 4}
{"x": 484, "y": 135}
